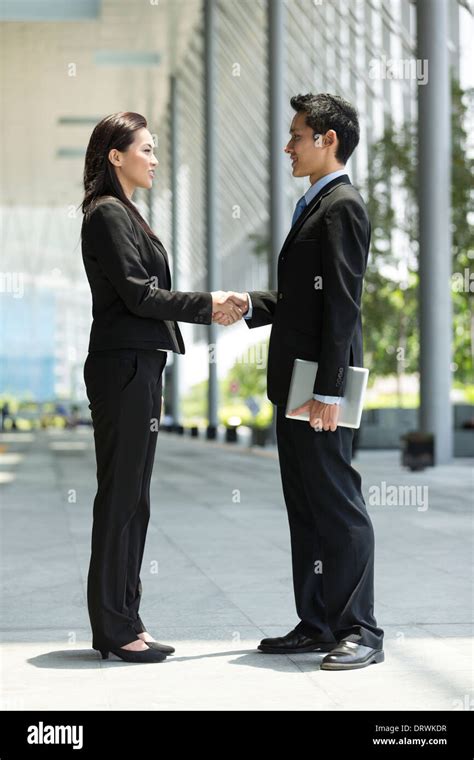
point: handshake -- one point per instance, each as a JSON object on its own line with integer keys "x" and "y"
{"x": 228, "y": 307}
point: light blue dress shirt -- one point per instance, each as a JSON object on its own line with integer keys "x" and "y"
{"x": 309, "y": 195}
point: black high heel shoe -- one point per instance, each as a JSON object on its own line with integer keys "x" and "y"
{"x": 165, "y": 648}
{"x": 128, "y": 655}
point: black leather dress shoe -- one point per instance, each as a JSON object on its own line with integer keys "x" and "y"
{"x": 348, "y": 655}
{"x": 294, "y": 642}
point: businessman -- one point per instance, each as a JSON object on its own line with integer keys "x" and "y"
{"x": 316, "y": 315}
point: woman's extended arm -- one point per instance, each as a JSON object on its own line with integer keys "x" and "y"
{"x": 109, "y": 235}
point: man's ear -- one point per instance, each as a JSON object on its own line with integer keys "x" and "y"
{"x": 330, "y": 138}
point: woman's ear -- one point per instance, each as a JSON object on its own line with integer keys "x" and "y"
{"x": 114, "y": 157}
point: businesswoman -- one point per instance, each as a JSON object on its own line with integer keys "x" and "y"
{"x": 135, "y": 317}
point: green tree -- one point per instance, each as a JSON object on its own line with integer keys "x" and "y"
{"x": 462, "y": 200}
{"x": 248, "y": 374}
{"x": 390, "y": 306}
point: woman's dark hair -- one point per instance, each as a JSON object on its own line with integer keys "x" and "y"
{"x": 114, "y": 131}
{"x": 325, "y": 111}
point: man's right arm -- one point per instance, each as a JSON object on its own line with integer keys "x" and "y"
{"x": 262, "y": 306}
{"x": 257, "y": 307}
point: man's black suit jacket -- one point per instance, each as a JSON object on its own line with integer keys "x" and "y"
{"x": 130, "y": 280}
{"x": 315, "y": 313}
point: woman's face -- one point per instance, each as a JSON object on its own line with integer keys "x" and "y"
{"x": 135, "y": 167}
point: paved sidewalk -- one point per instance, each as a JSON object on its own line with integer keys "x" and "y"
{"x": 216, "y": 578}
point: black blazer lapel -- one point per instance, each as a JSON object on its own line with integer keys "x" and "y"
{"x": 153, "y": 241}
{"x": 327, "y": 189}
{"x": 159, "y": 245}
{"x": 138, "y": 228}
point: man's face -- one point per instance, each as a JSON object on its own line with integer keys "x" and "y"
{"x": 306, "y": 157}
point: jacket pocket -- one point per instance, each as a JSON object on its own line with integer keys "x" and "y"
{"x": 301, "y": 344}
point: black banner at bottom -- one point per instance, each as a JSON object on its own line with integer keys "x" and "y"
{"x": 63, "y": 734}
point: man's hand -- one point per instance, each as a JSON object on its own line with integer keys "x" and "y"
{"x": 321, "y": 416}
{"x": 229, "y": 307}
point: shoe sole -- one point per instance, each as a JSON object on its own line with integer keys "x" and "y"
{"x": 271, "y": 650}
{"x": 378, "y": 657}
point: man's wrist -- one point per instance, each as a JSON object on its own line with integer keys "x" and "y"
{"x": 248, "y": 312}
{"x": 327, "y": 399}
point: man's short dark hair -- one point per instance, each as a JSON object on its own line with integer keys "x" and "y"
{"x": 325, "y": 111}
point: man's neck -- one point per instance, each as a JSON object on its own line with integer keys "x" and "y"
{"x": 329, "y": 170}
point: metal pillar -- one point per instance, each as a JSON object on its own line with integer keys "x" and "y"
{"x": 278, "y": 133}
{"x": 434, "y": 130}
{"x": 278, "y": 139}
{"x": 210, "y": 85}
{"x": 174, "y": 161}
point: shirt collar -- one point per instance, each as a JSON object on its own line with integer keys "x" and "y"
{"x": 320, "y": 183}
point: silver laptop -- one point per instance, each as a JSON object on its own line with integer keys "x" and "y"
{"x": 352, "y": 403}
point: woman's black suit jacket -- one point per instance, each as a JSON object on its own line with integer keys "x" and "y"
{"x": 130, "y": 280}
